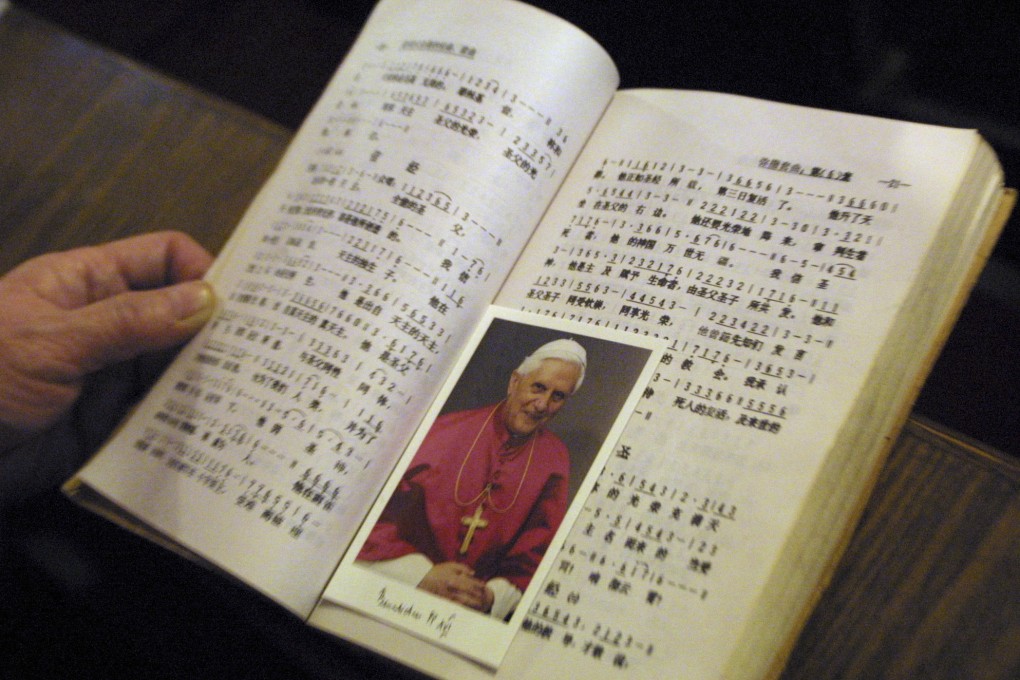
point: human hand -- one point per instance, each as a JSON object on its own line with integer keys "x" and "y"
{"x": 457, "y": 582}
{"x": 65, "y": 316}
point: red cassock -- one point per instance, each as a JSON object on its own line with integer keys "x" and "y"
{"x": 441, "y": 489}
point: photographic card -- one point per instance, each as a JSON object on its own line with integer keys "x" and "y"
{"x": 462, "y": 535}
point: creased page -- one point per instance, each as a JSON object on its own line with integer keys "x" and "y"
{"x": 352, "y": 282}
{"x": 772, "y": 247}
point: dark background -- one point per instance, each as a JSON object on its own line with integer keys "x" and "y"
{"x": 945, "y": 62}
{"x": 93, "y": 601}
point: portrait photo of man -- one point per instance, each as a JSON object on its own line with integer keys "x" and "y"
{"x": 475, "y": 511}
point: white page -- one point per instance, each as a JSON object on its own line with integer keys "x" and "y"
{"x": 352, "y": 281}
{"x": 772, "y": 246}
{"x": 836, "y": 268}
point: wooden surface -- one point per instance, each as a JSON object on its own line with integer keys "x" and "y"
{"x": 929, "y": 586}
{"x": 95, "y": 147}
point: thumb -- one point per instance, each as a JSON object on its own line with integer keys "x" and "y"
{"x": 133, "y": 323}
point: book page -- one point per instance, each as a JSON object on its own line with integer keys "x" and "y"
{"x": 772, "y": 247}
{"x": 351, "y": 284}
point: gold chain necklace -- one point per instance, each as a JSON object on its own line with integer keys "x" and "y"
{"x": 487, "y": 490}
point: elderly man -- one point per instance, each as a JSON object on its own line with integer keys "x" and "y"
{"x": 479, "y": 504}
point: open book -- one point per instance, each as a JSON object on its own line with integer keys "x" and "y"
{"x": 760, "y": 290}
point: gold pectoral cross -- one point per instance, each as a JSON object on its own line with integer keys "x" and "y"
{"x": 473, "y": 523}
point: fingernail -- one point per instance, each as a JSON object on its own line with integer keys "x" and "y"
{"x": 199, "y": 305}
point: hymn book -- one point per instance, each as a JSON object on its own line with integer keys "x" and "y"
{"x": 796, "y": 270}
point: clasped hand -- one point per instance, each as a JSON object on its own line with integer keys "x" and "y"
{"x": 457, "y": 582}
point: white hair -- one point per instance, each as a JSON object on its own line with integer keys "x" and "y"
{"x": 563, "y": 349}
